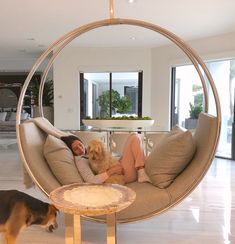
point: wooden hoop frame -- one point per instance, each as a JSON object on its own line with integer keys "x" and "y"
{"x": 58, "y": 46}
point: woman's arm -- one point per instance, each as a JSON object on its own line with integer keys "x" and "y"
{"x": 88, "y": 175}
{"x": 86, "y": 172}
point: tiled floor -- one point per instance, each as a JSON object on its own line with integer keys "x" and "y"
{"x": 206, "y": 216}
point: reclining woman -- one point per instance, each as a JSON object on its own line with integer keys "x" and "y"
{"x": 131, "y": 165}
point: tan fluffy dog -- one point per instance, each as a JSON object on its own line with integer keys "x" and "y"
{"x": 101, "y": 160}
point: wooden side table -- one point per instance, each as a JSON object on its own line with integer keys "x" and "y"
{"x": 91, "y": 200}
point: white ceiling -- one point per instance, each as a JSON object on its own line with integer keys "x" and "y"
{"x": 47, "y": 20}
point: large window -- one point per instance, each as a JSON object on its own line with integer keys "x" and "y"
{"x": 111, "y": 94}
{"x": 187, "y": 99}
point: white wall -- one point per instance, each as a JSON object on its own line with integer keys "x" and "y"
{"x": 16, "y": 64}
{"x": 75, "y": 60}
{"x": 163, "y": 58}
{"x": 22, "y": 64}
{"x": 156, "y": 65}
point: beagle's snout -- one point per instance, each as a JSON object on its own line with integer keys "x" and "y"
{"x": 52, "y": 227}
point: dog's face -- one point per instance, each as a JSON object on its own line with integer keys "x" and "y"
{"x": 96, "y": 150}
{"x": 49, "y": 223}
{"x": 97, "y": 153}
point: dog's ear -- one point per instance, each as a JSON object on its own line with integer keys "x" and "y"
{"x": 53, "y": 208}
{"x": 103, "y": 149}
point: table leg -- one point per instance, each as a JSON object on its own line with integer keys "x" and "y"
{"x": 111, "y": 228}
{"x": 68, "y": 228}
{"x": 77, "y": 229}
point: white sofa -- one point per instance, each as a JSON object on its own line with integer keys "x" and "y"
{"x": 8, "y": 120}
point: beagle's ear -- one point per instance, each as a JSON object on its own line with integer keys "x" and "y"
{"x": 53, "y": 208}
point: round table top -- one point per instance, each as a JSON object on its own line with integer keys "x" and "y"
{"x": 92, "y": 199}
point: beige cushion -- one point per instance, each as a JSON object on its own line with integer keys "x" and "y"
{"x": 148, "y": 199}
{"x": 32, "y": 140}
{"x": 170, "y": 156}
{"x": 46, "y": 126}
{"x": 204, "y": 137}
{"x": 61, "y": 161}
{"x": 87, "y": 136}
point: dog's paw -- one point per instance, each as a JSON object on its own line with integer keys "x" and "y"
{"x": 50, "y": 228}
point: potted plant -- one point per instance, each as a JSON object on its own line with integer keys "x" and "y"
{"x": 47, "y": 99}
{"x": 194, "y": 111}
{"x": 119, "y": 104}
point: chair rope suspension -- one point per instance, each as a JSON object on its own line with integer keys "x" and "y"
{"x": 111, "y": 9}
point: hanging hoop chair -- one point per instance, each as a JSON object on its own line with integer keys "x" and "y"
{"x": 150, "y": 200}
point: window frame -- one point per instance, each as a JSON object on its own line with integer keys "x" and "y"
{"x": 82, "y": 95}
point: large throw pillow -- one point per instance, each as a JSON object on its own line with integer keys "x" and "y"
{"x": 12, "y": 116}
{"x": 23, "y": 116}
{"x": 3, "y": 116}
{"x": 61, "y": 161}
{"x": 169, "y": 158}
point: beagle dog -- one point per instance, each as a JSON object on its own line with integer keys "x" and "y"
{"x": 19, "y": 210}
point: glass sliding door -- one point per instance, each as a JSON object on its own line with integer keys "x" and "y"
{"x": 220, "y": 71}
{"x": 188, "y": 95}
{"x": 125, "y": 87}
{"x": 110, "y": 94}
{"x": 93, "y": 86}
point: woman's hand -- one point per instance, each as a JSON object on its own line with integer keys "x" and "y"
{"x": 116, "y": 169}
